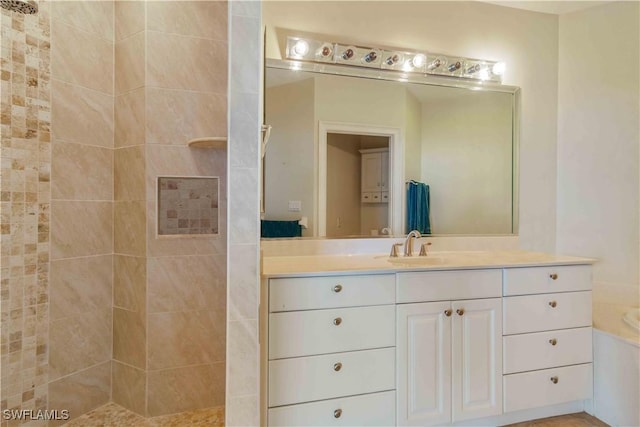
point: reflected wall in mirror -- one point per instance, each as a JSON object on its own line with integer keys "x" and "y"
{"x": 343, "y": 150}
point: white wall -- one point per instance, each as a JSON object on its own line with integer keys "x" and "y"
{"x": 471, "y": 133}
{"x": 598, "y": 140}
{"x": 526, "y": 41}
{"x": 290, "y": 159}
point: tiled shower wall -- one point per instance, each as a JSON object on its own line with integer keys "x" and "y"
{"x": 25, "y": 197}
{"x": 170, "y": 291}
{"x": 80, "y": 329}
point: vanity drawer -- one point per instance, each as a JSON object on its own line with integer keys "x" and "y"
{"x": 536, "y": 313}
{"x": 536, "y": 389}
{"x": 542, "y": 350}
{"x": 377, "y": 409}
{"x": 539, "y": 280}
{"x": 305, "y": 379}
{"x": 306, "y": 333}
{"x": 448, "y": 285}
{"x": 307, "y": 293}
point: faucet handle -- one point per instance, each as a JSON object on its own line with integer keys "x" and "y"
{"x": 394, "y": 250}
{"x": 424, "y": 249}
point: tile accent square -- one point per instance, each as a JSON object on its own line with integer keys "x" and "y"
{"x": 188, "y": 205}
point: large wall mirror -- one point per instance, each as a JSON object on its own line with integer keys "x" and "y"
{"x": 354, "y": 153}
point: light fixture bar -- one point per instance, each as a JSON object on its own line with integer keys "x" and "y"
{"x": 304, "y": 49}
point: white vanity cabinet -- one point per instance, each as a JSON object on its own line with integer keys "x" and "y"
{"x": 547, "y": 336}
{"x": 449, "y": 352}
{"x": 331, "y": 350}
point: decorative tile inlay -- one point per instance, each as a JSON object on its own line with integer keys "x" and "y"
{"x": 24, "y": 210}
{"x": 188, "y": 205}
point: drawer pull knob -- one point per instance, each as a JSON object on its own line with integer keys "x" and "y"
{"x": 554, "y": 380}
{"x": 553, "y": 341}
{"x": 460, "y": 311}
{"x": 337, "y": 288}
{"x": 553, "y": 304}
{"x": 337, "y": 366}
{"x": 337, "y": 321}
{"x": 447, "y": 312}
{"x": 337, "y": 413}
{"x": 553, "y": 276}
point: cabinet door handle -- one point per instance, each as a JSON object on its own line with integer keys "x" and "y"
{"x": 447, "y": 312}
{"x": 337, "y": 413}
{"x": 553, "y": 276}
{"x": 553, "y": 341}
{"x": 337, "y": 367}
{"x": 460, "y": 311}
{"x": 337, "y": 321}
{"x": 554, "y": 380}
{"x": 553, "y": 304}
{"x": 337, "y": 288}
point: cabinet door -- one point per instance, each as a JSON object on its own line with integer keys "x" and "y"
{"x": 371, "y": 178}
{"x": 423, "y": 364}
{"x": 477, "y": 358}
{"x": 384, "y": 171}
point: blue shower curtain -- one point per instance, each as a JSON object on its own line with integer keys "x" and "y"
{"x": 418, "y": 207}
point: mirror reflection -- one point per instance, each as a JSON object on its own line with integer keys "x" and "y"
{"x": 353, "y": 156}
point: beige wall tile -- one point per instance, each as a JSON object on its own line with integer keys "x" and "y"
{"x": 181, "y": 283}
{"x": 178, "y": 62}
{"x": 130, "y": 282}
{"x": 129, "y": 18}
{"x": 129, "y": 337}
{"x": 244, "y": 360}
{"x": 243, "y": 298}
{"x": 130, "y": 118}
{"x": 81, "y": 392}
{"x": 80, "y": 285}
{"x": 129, "y": 387}
{"x": 81, "y": 229}
{"x": 81, "y": 172}
{"x": 81, "y": 58}
{"x": 129, "y": 177}
{"x": 185, "y": 338}
{"x": 188, "y": 245}
{"x": 243, "y": 411}
{"x": 95, "y": 17}
{"x": 129, "y": 228}
{"x": 206, "y": 19}
{"x": 184, "y": 389}
{"x": 81, "y": 115}
{"x": 129, "y": 66}
{"x": 175, "y": 116}
{"x": 79, "y": 342}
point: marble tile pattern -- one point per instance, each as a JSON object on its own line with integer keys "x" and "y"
{"x": 82, "y": 205}
{"x": 187, "y": 205}
{"x": 25, "y": 193}
{"x": 113, "y": 415}
{"x": 242, "y": 400}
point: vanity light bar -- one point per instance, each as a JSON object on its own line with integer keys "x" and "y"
{"x": 304, "y": 49}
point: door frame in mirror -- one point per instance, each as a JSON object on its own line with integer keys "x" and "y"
{"x": 396, "y": 170}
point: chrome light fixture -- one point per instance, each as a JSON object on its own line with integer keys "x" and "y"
{"x": 304, "y": 49}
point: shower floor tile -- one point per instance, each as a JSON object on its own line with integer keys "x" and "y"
{"x": 112, "y": 415}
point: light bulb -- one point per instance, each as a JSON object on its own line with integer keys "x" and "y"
{"x": 484, "y": 74}
{"x": 301, "y": 48}
{"x": 499, "y": 68}
{"x": 394, "y": 59}
{"x": 436, "y": 63}
{"x": 348, "y": 53}
{"x": 419, "y": 60}
{"x": 325, "y": 50}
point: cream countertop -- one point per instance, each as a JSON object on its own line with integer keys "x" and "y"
{"x": 312, "y": 265}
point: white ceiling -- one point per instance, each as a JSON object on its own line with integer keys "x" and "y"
{"x": 550, "y": 6}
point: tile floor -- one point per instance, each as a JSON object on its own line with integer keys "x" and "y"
{"x": 112, "y": 415}
{"x": 581, "y": 419}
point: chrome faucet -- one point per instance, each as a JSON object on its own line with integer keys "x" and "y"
{"x": 408, "y": 244}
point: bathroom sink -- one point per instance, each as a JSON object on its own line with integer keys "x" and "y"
{"x": 414, "y": 260}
